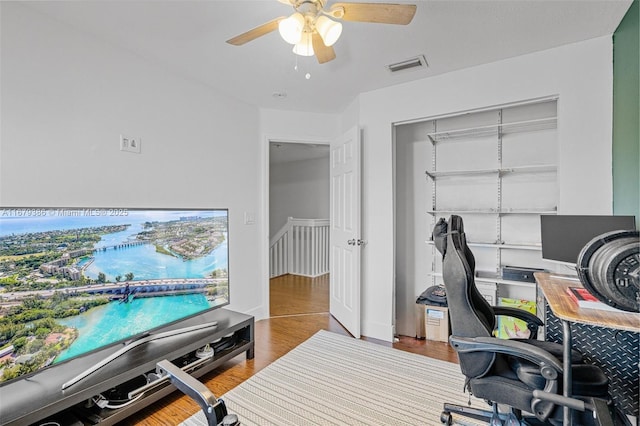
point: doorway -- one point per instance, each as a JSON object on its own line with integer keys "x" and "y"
{"x": 298, "y": 188}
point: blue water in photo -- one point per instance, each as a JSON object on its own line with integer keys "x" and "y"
{"x": 145, "y": 263}
{"x": 96, "y": 327}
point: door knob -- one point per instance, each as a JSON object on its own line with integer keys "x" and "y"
{"x": 351, "y": 242}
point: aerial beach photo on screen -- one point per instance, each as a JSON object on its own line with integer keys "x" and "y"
{"x": 73, "y": 280}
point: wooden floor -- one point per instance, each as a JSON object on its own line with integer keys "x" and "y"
{"x": 299, "y": 308}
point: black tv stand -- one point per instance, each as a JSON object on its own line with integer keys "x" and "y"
{"x": 39, "y": 398}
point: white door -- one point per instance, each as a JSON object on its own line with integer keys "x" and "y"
{"x": 344, "y": 300}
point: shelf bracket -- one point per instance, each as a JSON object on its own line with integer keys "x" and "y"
{"x": 499, "y": 184}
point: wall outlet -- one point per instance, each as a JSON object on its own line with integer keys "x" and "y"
{"x": 129, "y": 144}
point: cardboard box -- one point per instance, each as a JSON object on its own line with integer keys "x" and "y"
{"x": 436, "y": 323}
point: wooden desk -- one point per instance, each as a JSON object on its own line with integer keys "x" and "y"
{"x": 555, "y": 291}
{"x": 554, "y": 287}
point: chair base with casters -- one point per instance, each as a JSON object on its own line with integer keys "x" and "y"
{"x": 515, "y": 417}
{"x": 507, "y": 419}
{"x": 593, "y": 409}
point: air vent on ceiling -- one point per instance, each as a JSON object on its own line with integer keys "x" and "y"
{"x": 409, "y": 64}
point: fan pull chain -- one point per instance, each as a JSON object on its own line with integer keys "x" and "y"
{"x": 295, "y": 68}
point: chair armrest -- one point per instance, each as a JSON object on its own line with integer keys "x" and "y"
{"x": 515, "y": 348}
{"x": 533, "y": 322}
{"x": 550, "y": 366}
{"x": 599, "y": 407}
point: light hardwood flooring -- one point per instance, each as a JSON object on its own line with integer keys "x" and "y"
{"x": 299, "y": 308}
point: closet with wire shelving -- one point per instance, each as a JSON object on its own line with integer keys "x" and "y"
{"x": 494, "y": 167}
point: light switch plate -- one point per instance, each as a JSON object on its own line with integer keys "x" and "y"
{"x": 249, "y": 218}
{"x": 129, "y": 144}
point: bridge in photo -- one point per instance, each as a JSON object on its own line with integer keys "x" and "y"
{"x": 120, "y": 246}
{"x": 141, "y": 288}
{"x": 144, "y": 288}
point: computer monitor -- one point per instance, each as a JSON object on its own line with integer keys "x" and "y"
{"x": 564, "y": 236}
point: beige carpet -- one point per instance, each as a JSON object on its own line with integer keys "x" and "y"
{"x": 332, "y": 379}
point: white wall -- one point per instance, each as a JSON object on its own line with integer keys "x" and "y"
{"x": 413, "y": 153}
{"x": 350, "y": 116}
{"x": 580, "y": 74}
{"x": 298, "y": 126}
{"x": 66, "y": 98}
{"x": 298, "y": 189}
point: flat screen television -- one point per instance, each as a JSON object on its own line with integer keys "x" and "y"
{"x": 73, "y": 280}
{"x": 564, "y": 236}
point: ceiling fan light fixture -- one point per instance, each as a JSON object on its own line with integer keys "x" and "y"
{"x": 313, "y": 28}
{"x": 328, "y": 29}
{"x": 305, "y": 46}
{"x": 291, "y": 28}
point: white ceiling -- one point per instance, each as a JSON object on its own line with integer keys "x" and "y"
{"x": 188, "y": 37}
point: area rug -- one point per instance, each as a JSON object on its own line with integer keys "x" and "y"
{"x": 332, "y": 379}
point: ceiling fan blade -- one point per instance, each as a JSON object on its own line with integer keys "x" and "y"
{"x": 323, "y": 53}
{"x": 379, "y": 13}
{"x": 258, "y": 31}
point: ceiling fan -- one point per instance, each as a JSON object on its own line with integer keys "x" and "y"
{"x": 313, "y": 30}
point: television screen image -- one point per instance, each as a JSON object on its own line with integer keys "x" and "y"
{"x": 564, "y": 236}
{"x": 73, "y": 280}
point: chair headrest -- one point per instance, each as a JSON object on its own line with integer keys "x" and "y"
{"x": 442, "y": 229}
{"x": 439, "y": 235}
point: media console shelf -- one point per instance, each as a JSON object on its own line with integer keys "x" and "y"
{"x": 40, "y": 398}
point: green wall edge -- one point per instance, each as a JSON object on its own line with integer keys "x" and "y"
{"x": 626, "y": 115}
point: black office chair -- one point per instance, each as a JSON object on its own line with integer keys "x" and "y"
{"x": 525, "y": 375}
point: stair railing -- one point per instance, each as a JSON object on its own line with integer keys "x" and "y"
{"x": 301, "y": 247}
